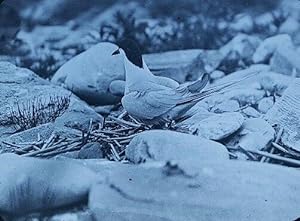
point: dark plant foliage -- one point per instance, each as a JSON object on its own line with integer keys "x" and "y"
{"x": 44, "y": 67}
{"x": 126, "y": 28}
{"x": 196, "y": 23}
{"x": 186, "y": 33}
{"x": 212, "y": 9}
{"x": 36, "y": 112}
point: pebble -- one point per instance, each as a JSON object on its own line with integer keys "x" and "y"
{"x": 265, "y": 104}
{"x": 251, "y": 112}
{"x": 91, "y": 151}
{"x": 256, "y": 134}
{"x": 227, "y": 106}
{"x": 215, "y": 127}
{"x": 215, "y": 75}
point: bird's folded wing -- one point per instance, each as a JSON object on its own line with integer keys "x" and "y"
{"x": 151, "y": 104}
{"x": 197, "y": 86}
{"x": 194, "y": 87}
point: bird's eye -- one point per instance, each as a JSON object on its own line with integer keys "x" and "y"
{"x": 116, "y": 52}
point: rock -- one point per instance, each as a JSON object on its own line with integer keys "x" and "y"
{"x": 91, "y": 151}
{"x": 266, "y": 49}
{"x": 215, "y": 75}
{"x": 72, "y": 216}
{"x": 78, "y": 117}
{"x": 215, "y": 127}
{"x": 31, "y": 135}
{"x": 251, "y": 112}
{"x": 291, "y": 26}
{"x": 22, "y": 88}
{"x": 53, "y": 45}
{"x": 243, "y": 96}
{"x": 197, "y": 113}
{"x": 291, "y": 8}
{"x": 265, "y": 104}
{"x": 246, "y": 89}
{"x": 117, "y": 88}
{"x": 211, "y": 60}
{"x": 256, "y": 134}
{"x": 104, "y": 110}
{"x": 286, "y": 61}
{"x": 265, "y": 23}
{"x": 285, "y": 113}
{"x": 160, "y": 145}
{"x": 224, "y": 190}
{"x": 244, "y": 44}
{"x": 68, "y": 155}
{"x": 90, "y": 74}
{"x": 47, "y": 184}
{"x": 242, "y": 23}
{"x": 242, "y": 47}
{"x": 273, "y": 82}
{"x": 182, "y": 64}
{"x": 227, "y": 106}
{"x": 252, "y": 89}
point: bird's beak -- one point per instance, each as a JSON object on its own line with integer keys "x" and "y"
{"x": 116, "y": 52}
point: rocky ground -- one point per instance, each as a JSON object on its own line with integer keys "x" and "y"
{"x": 70, "y": 152}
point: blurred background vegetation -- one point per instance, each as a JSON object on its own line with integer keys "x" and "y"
{"x": 52, "y": 31}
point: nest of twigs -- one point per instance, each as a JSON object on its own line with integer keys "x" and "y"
{"x": 113, "y": 135}
{"x": 116, "y": 133}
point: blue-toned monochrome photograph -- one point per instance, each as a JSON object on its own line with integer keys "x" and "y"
{"x": 149, "y": 110}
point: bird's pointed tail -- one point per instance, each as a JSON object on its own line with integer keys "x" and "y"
{"x": 218, "y": 89}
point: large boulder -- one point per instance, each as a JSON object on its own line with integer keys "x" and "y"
{"x": 267, "y": 48}
{"x": 291, "y": 26}
{"x": 224, "y": 190}
{"x": 183, "y": 64}
{"x": 238, "y": 51}
{"x": 33, "y": 185}
{"x": 90, "y": 74}
{"x": 27, "y": 101}
{"x": 160, "y": 145}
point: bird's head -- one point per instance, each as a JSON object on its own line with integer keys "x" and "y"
{"x": 131, "y": 52}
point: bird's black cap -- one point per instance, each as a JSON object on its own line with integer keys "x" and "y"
{"x": 132, "y": 51}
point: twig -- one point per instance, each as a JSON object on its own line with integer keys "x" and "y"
{"x": 114, "y": 151}
{"x": 280, "y": 148}
{"x": 134, "y": 120}
{"x": 251, "y": 156}
{"x": 71, "y": 148}
{"x": 49, "y": 141}
{"x": 123, "y": 114}
{"x": 127, "y": 123}
{"x": 276, "y": 157}
{"x": 277, "y": 139}
{"x": 11, "y": 144}
{"x": 55, "y": 147}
